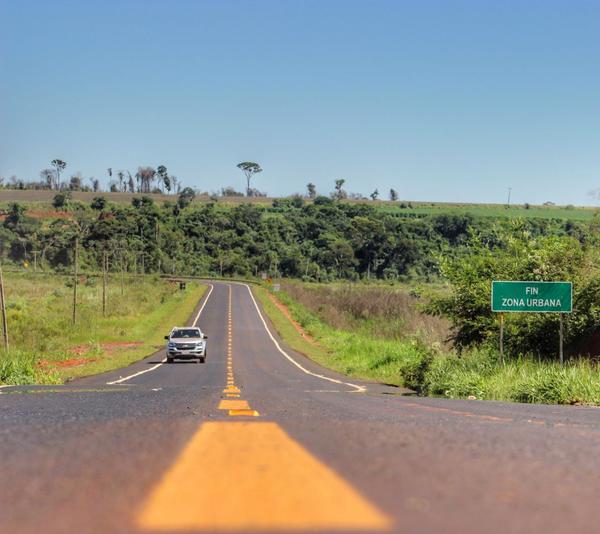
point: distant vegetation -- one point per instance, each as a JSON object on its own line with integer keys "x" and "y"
{"x": 321, "y": 240}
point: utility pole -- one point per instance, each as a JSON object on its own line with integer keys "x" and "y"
{"x": 104, "y": 276}
{"x": 3, "y": 306}
{"x": 35, "y": 252}
{"x": 509, "y": 192}
{"x": 122, "y": 274}
{"x": 75, "y": 277}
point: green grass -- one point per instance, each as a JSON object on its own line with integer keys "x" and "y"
{"x": 46, "y": 348}
{"x": 430, "y": 370}
{"x": 41, "y": 201}
{"x": 491, "y": 210}
{"x": 349, "y": 353}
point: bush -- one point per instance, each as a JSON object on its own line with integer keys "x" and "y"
{"x": 98, "y": 203}
{"x": 60, "y": 200}
{"x": 415, "y": 367}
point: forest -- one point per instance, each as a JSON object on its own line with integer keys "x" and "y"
{"x": 321, "y": 240}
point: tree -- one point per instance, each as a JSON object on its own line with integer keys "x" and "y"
{"x": 185, "y": 197}
{"x": 121, "y": 177}
{"x": 374, "y": 194}
{"x": 163, "y": 178}
{"x": 76, "y": 182}
{"x": 339, "y": 192}
{"x": 467, "y": 304}
{"x": 175, "y": 184}
{"x": 311, "y": 190}
{"x": 145, "y": 176}
{"x": 47, "y": 176}
{"x": 249, "y": 169}
{"x": 131, "y": 183}
{"x": 59, "y": 166}
{"x": 230, "y": 192}
{"x": 393, "y": 195}
{"x": 95, "y": 184}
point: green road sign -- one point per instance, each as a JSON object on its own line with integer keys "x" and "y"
{"x": 540, "y": 297}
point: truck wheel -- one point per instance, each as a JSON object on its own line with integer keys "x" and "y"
{"x": 201, "y": 359}
{"x": 169, "y": 360}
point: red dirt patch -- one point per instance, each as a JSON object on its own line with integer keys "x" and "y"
{"x": 43, "y": 214}
{"x": 108, "y": 350}
{"x": 73, "y": 362}
{"x": 284, "y": 309}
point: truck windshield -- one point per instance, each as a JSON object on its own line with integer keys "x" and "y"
{"x": 186, "y": 333}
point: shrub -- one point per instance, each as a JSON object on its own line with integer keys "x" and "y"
{"x": 60, "y": 200}
{"x": 98, "y": 203}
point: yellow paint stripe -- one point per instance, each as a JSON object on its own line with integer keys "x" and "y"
{"x": 229, "y": 404}
{"x": 243, "y": 476}
{"x": 250, "y": 413}
{"x": 231, "y": 389}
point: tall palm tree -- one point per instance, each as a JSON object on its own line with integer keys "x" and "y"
{"x": 59, "y": 166}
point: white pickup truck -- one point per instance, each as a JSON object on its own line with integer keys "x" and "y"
{"x": 186, "y": 342}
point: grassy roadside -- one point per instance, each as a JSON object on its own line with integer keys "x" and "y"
{"x": 428, "y": 368}
{"x": 45, "y": 348}
{"x": 350, "y": 353}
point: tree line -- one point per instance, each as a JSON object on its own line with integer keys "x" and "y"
{"x": 322, "y": 240}
{"x": 148, "y": 179}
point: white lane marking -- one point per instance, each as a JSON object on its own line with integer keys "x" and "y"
{"x": 123, "y": 379}
{"x": 359, "y": 389}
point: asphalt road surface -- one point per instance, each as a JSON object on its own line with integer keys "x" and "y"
{"x": 261, "y": 439}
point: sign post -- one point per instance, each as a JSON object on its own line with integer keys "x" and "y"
{"x": 561, "y": 337}
{"x": 532, "y": 297}
{"x": 502, "y": 338}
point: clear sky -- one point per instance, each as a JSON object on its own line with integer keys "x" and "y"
{"x": 441, "y": 100}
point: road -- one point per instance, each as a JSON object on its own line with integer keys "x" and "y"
{"x": 261, "y": 439}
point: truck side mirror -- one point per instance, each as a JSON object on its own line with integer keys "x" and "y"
{"x": 204, "y": 336}
{"x": 166, "y": 337}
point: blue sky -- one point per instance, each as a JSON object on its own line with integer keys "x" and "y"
{"x": 443, "y": 101}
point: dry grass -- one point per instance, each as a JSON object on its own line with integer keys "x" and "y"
{"x": 387, "y": 313}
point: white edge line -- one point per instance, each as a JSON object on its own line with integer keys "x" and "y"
{"x": 121, "y": 380}
{"x": 359, "y": 389}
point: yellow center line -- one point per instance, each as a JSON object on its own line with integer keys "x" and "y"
{"x": 233, "y": 403}
{"x": 252, "y": 476}
{"x": 229, "y": 404}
